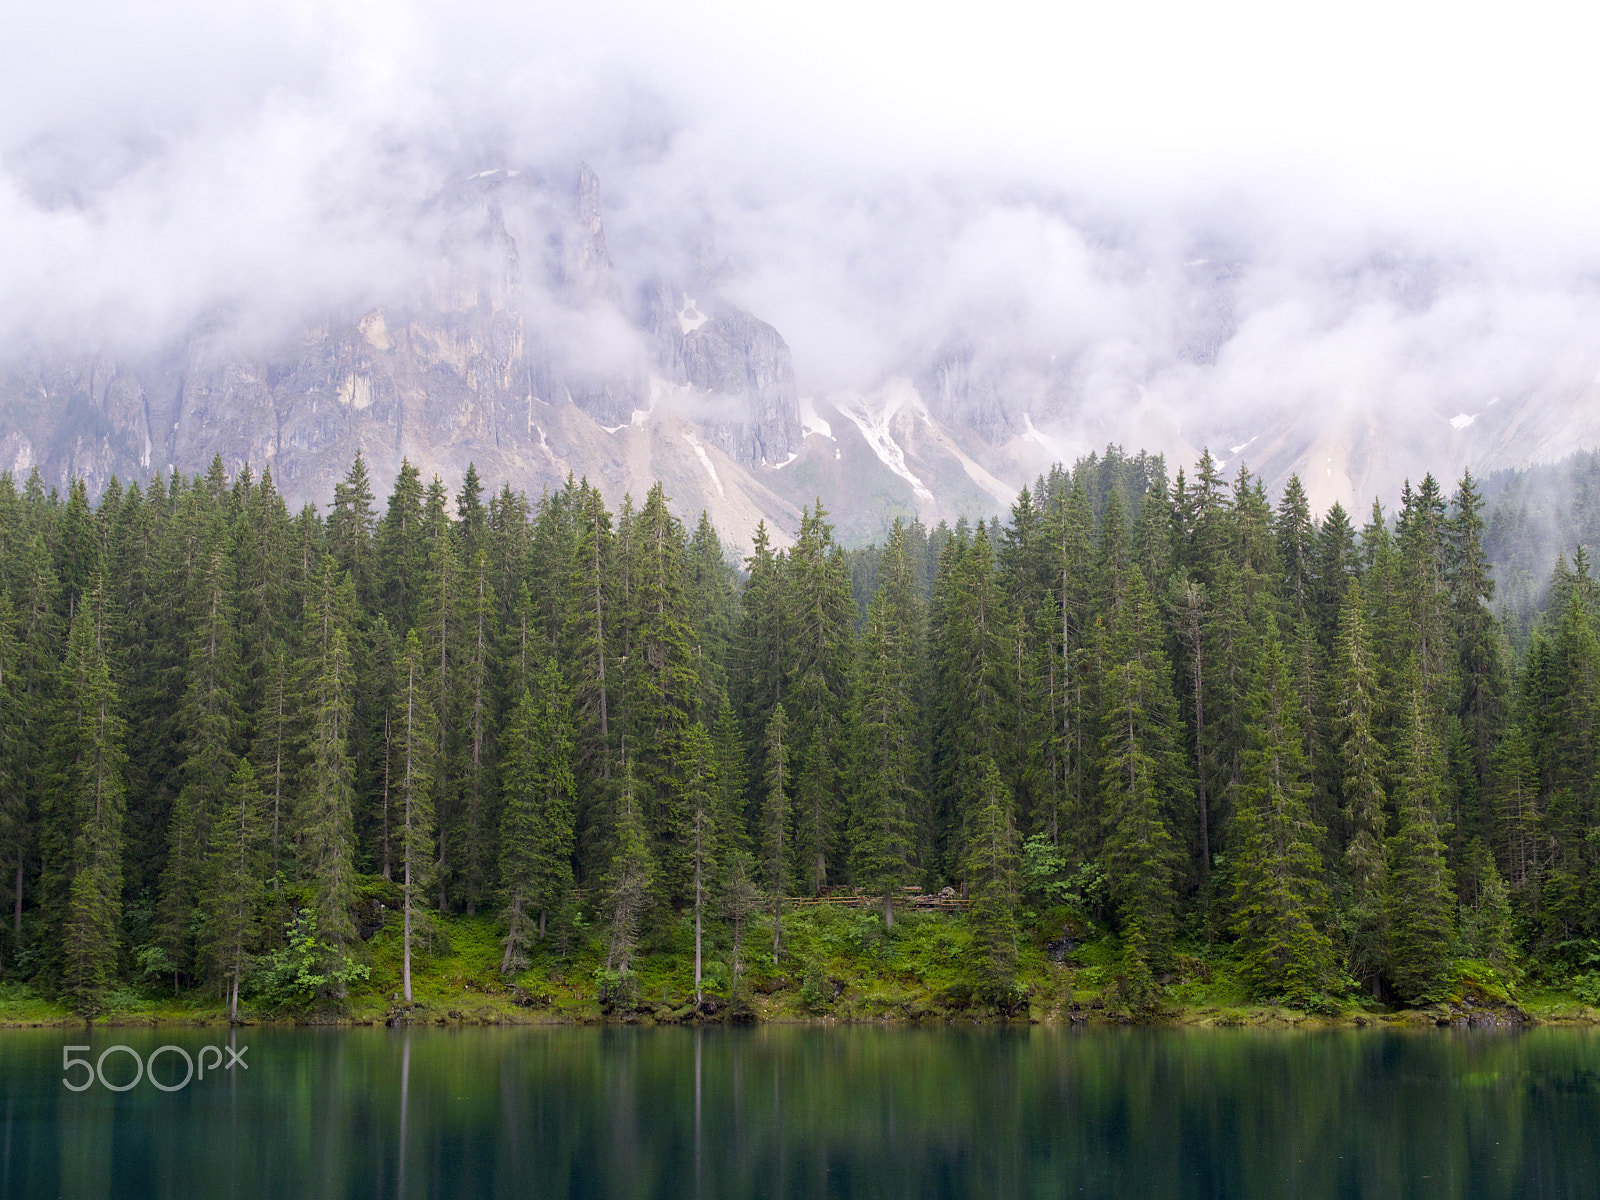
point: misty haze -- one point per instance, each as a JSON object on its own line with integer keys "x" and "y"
{"x": 570, "y": 572}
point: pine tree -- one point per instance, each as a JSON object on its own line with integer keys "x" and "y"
{"x": 972, "y": 647}
{"x": 414, "y": 783}
{"x": 479, "y": 749}
{"x": 884, "y": 722}
{"x": 1420, "y": 896}
{"x": 209, "y": 720}
{"x": 350, "y": 529}
{"x": 775, "y": 817}
{"x": 1141, "y": 770}
{"x": 1478, "y": 647}
{"x": 539, "y": 795}
{"x": 741, "y": 899}
{"x": 234, "y": 887}
{"x": 15, "y": 819}
{"x": 1278, "y": 895}
{"x": 325, "y": 806}
{"x": 589, "y": 639}
{"x": 661, "y": 692}
{"x": 990, "y": 868}
{"x": 400, "y": 551}
{"x": 698, "y": 772}
{"x": 1362, "y": 766}
{"x": 1296, "y": 537}
{"x": 819, "y": 619}
{"x": 440, "y": 631}
{"x": 84, "y": 810}
{"x": 1514, "y": 787}
{"x": 628, "y": 882}
{"x": 1486, "y": 928}
{"x": 274, "y": 757}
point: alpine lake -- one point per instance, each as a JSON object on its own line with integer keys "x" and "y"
{"x": 797, "y": 1111}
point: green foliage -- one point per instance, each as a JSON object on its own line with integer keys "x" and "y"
{"x": 816, "y": 989}
{"x": 594, "y": 705}
{"x": 306, "y": 969}
{"x": 1279, "y": 899}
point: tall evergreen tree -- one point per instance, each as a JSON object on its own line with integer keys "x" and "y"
{"x": 325, "y": 805}
{"x": 84, "y": 809}
{"x": 628, "y": 882}
{"x": 1363, "y": 766}
{"x": 414, "y": 783}
{"x": 775, "y": 818}
{"x": 209, "y": 721}
{"x": 539, "y": 811}
{"x": 234, "y": 884}
{"x": 991, "y": 872}
{"x": 885, "y": 721}
{"x": 1284, "y": 952}
{"x": 1421, "y": 892}
{"x": 1141, "y": 772}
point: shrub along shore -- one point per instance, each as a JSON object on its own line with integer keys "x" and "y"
{"x": 839, "y": 965}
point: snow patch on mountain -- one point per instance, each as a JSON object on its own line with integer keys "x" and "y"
{"x": 873, "y": 415}
{"x": 705, "y": 459}
{"x": 811, "y": 423}
{"x": 690, "y": 317}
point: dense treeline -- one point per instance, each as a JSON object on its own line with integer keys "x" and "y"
{"x": 1535, "y": 515}
{"x": 1189, "y": 714}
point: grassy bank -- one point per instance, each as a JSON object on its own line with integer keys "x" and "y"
{"x": 837, "y": 964}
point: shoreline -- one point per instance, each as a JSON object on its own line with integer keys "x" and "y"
{"x": 1507, "y": 1018}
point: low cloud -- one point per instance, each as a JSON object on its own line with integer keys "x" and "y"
{"x": 279, "y": 162}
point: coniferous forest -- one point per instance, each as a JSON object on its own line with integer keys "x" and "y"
{"x": 236, "y": 740}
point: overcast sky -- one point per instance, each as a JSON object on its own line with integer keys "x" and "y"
{"x": 876, "y": 172}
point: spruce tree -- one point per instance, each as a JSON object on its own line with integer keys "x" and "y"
{"x": 1141, "y": 773}
{"x": 629, "y": 879}
{"x": 209, "y": 721}
{"x": 884, "y": 721}
{"x": 990, "y": 869}
{"x": 234, "y": 884}
{"x": 1421, "y": 893}
{"x": 84, "y": 810}
{"x": 440, "y": 631}
{"x": 15, "y": 818}
{"x": 325, "y": 806}
{"x": 539, "y": 808}
{"x": 698, "y": 772}
{"x": 479, "y": 749}
{"x": 1284, "y": 954}
{"x": 589, "y": 640}
{"x": 775, "y": 817}
{"x": 1486, "y": 923}
{"x": 1514, "y": 788}
{"x": 661, "y": 693}
{"x": 819, "y": 620}
{"x": 414, "y": 780}
{"x": 1362, "y": 767}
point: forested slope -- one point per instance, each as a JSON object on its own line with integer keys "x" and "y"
{"x": 1191, "y": 716}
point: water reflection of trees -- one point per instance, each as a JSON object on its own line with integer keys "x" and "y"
{"x": 791, "y": 1112}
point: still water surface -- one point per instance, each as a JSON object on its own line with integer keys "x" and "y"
{"x": 803, "y": 1112}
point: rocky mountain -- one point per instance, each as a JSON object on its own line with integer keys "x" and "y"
{"x": 518, "y": 346}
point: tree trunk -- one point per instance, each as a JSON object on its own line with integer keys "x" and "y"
{"x": 697, "y": 935}
{"x": 407, "y": 935}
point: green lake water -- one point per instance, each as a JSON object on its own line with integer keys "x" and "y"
{"x": 804, "y": 1112}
